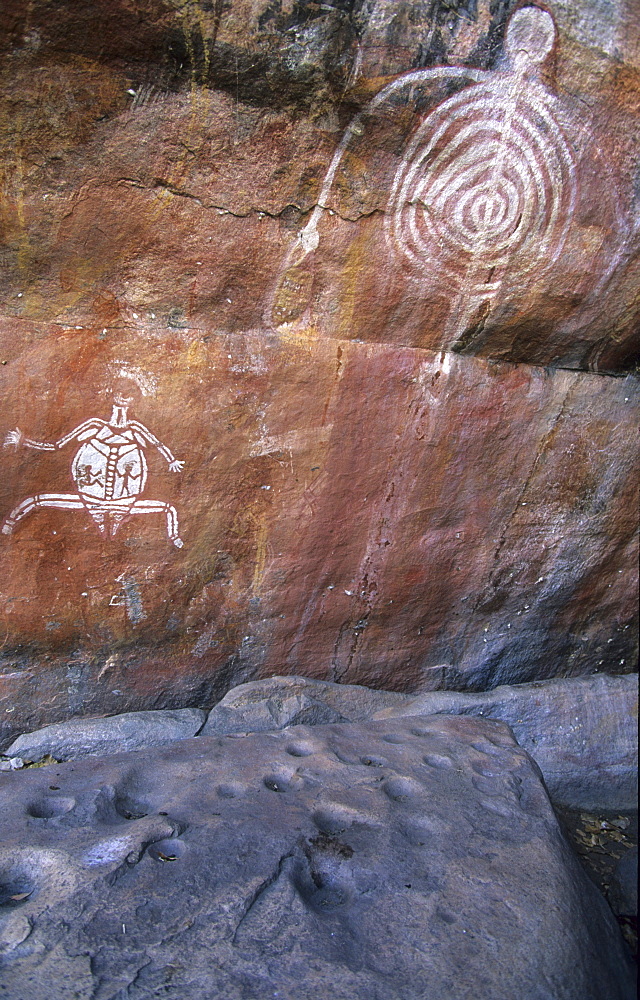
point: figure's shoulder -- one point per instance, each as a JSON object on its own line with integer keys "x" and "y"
{"x": 89, "y": 428}
{"x": 141, "y": 428}
{"x": 140, "y": 433}
{"x": 92, "y": 423}
{"x": 99, "y": 427}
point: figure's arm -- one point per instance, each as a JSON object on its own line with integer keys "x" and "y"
{"x": 149, "y": 438}
{"x": 85, "y": 430}
{"x": 82, "y": 432}
{"x": 17, "y": 438}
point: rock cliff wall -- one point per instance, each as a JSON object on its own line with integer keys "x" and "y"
{"x": 319, "y": 343}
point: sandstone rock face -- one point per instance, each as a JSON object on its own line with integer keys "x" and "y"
{"x": 96, "y": 737}
{"x": 373, "y": 547}
{"x": 182, "y": 159}
{"x": 317, "y": 341}
{"x": 412, "y": 857}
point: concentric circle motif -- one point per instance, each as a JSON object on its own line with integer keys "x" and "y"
{"x": 486, "y": 189}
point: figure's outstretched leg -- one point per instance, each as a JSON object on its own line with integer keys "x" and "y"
{"x": 99, "y": 519}
{"x": 61, "y": 501}
{"x": 159, "y": 507}
{"x": 116, "y": 520}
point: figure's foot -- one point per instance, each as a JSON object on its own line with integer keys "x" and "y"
{"x": 115, "y": 524}
{"x": 7, "y": 528}
{"x": 98, "y": 520}
{"x": 177, "y": 542}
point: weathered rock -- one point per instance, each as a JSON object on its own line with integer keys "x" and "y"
{"x": 582, "y": 733}
{"x": 296, "y": 231}
{"x": 261, "y": 706}
{"x": 370, "y": 557}
{"x": 96, "y": 737}
{"x": 393, "y": 859}
{"x": 11, "y": 764}
{"x": 623, "y": 891}
{"x": 179, "y": 170}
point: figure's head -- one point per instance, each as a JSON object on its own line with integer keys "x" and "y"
{"x": 125, "y": 393}
{"x": 530, "y": 37}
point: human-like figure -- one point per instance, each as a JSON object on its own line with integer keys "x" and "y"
{"x": 109, "y": 471}
{"x": 484, "y": 193}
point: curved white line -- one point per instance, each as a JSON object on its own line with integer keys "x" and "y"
{"x": 448, "y": 188}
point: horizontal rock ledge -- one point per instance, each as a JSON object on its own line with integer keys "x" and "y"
{"x": 130, "y": 731}
{"x": 582, "y": 732}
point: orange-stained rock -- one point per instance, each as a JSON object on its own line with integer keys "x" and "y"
{"x": 397, "y": 175}
{"x": 362, "y": 513}
{"x": 327, "y": 281}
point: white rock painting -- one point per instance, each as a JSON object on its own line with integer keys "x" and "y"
{"x": 109, "y": 470}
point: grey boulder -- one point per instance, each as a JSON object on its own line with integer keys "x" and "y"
{"x": 392, "y": 860}
{"x": 277, "y": 702}
{"x": 582, "y": 732}
{"x": 623, "y": 891}
{"x": 97, "y": 736}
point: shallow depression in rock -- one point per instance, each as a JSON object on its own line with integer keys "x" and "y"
{"x": 50, "y": 806}
{"x": 167, "y": 850}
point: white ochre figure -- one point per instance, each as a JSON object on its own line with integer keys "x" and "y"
{"x": 485, "y": 191}
{"x": 109, "y": 470}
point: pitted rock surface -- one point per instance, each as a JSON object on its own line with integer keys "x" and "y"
{"x": 130, "y": 731}
{"x": 389, "y": 860}
{"x": 582, "y": 732}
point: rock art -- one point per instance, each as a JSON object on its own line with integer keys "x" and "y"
{"x": 346, "y": 515}
{"x": 389, "y": 174}
{"x": 388, "y": 859}
{"x": 109, "y": 470}
{"x": 132, "y": 731}
{"x": 487, "y": 197}
{"x": 361, "y": 280}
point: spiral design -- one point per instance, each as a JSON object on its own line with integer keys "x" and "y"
{"x": 486, "y": 189}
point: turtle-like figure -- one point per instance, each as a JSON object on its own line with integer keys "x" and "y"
{"x": 109, "y": 470}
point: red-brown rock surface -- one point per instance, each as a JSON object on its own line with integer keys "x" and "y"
{"x": 381, "y": 482}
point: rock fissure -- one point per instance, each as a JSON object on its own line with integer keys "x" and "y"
{"x": 519, "y": 502}
{"x": 303, "y": 211}
{"x": 259, "y": 892}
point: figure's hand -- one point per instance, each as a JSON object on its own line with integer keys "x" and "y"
{"x": 13, "y": 437}
{"x": 176, "y": 466}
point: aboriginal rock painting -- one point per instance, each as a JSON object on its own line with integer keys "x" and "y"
{"x": 109, "y": 471}
{"x": 489, "y": 181}
{"x": 486, "y": 189}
